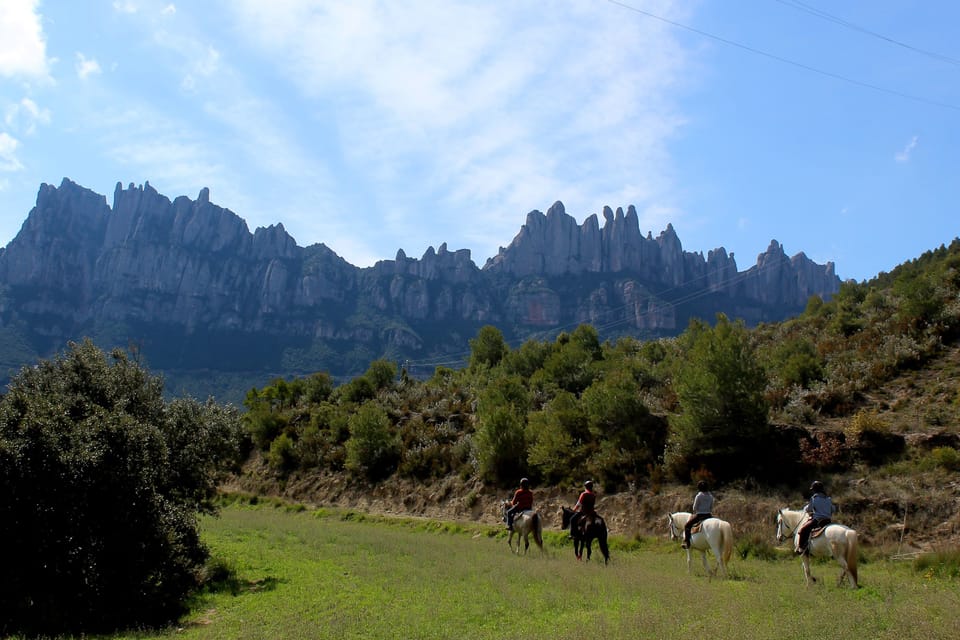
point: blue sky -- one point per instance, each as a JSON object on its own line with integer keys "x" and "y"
{"x": 372, "y": 126}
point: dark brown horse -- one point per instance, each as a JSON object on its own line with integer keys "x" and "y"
{"x": 584, "y": 531}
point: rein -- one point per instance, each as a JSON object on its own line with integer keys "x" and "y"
{"x": 674, "y": 531}
{"x": 781, "y": 536}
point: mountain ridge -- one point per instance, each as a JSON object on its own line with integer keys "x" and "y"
{"x": 188, "y": 282}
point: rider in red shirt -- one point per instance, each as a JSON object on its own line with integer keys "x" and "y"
{"x": 586, "y": 504}
{"x": 522, "y": 501}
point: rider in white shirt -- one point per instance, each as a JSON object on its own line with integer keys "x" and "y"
{"x": 702, "y": 508}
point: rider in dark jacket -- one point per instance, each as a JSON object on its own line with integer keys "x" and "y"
{"x": 821, "y": 511}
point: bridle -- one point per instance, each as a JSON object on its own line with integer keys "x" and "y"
{"x": 781, "y": 536}
{"x": 674, "y": 534}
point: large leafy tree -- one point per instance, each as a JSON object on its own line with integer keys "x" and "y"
{"x": 501, "y": 419}
{"x": 722, "y": 426}
{"x": 488, "y": 348}
{"x": 101, "y": 481}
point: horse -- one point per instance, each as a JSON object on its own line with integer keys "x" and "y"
{"x": 583, "y": 536}
{"x": 524, "y": 523}
{"x": 715, "y": 535}
{"x": 836, "y": 540}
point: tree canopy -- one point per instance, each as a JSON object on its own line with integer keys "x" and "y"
{"x": 101, "y": 482}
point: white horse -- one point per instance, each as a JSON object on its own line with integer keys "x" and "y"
{"x": 715, "y": 535}
{"x": 836, "y": 540}
{"x": 524, "y": 523}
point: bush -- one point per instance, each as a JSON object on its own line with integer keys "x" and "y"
{"x": 946, "y": 457}
{"x": 373, "y": 449}
{"x": 940, "y": 563}
{"x": 102, "y": 482}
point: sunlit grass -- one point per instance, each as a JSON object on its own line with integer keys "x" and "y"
{"x": 325, "y": 574}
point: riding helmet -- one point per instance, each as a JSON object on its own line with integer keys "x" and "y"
{"x": 524, "y": 483}
{"x": 588, "y": 484}
{"x": 816, "y": 487}
{"x": 702, "y": 485}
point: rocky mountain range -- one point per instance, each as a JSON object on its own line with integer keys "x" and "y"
{"x": 217, "y": 309}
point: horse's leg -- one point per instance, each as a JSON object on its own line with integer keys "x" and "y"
{"x": 805, "y": 562}
{"x": 526, "y": 542}
{"x": 838, "y": 556}
{"x": 706, "y": 565}
{"x": 716, "y": 554}
{"x": 689, "y": 562}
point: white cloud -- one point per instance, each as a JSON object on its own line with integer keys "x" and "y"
{"x": 86, "y": 67}
{"x": 496, "y": 107}
{"x": 169, "y": 10}
{"x": 904, "y": 154}
{"x": 8, "y": 153}
{"x": 22, "y": 44}
{"x": 202, "y": 66}
{"x": 25, "y": 115}
{"x": 125, "y": 6}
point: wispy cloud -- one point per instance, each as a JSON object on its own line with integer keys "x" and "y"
{"x": 125, "y": 6}
{"x": 86, "y": 66}
{"x": 25, "y": 115}
{"x": 904, "y": 154}
{"x": 23, "y": 49}
{"x": 8, "y": 153}
{"x": 486, "y": 108}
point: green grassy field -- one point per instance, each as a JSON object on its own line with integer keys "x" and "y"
{"x": 304, "y": 574}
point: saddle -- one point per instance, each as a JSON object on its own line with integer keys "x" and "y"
{"x": 587, "y": 520}
{"x": 696, "y": 528}
{"x": 818, "y": 531}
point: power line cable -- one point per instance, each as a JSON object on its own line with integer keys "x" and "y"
{"x": 794, "y": 63}
{"x": 802, "y": 6}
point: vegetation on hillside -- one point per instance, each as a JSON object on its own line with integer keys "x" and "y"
{"x": 716, "y": 402}
{"x": 101, "y": 483}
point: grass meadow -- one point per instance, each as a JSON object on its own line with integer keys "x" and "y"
{"x": 298, "y": 573}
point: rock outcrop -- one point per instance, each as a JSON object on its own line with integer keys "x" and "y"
{"x": 189, "y": 283}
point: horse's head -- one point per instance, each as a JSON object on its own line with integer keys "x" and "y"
{"x": 672, "y": 523}
{"x": 565, "y": 516}
{"x": 787, "y": 522}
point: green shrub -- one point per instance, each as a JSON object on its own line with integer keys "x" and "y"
{"x": 940, "y": 563}
{"x": 756, "y": 546}
{"x": 373, "y": 448}
{"x": 102, "y": 481}
{"x": 946, "y": 457}
{"x": 282, "y": 455}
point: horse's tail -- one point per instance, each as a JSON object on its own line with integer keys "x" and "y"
{"x": 538, "y": 529}
{"x": 852, "y": 554}
{"x": 602, "y": 539}
{"x": 726, "y": 542}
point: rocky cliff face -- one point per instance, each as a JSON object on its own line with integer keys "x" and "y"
{"x": 190, "y": 283}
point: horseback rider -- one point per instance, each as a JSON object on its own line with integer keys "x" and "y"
{"x": 522, "y": 501}
{"x": 821, "y": 511}
{"x": 585, "y": 507}
{"x": 702, "y": 506}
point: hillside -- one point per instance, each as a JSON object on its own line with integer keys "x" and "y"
{"x": 861, "y": 392}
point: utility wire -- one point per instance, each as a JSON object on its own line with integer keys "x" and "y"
{"x": 794, "y": 63}
{"x": 802, "y": 6}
